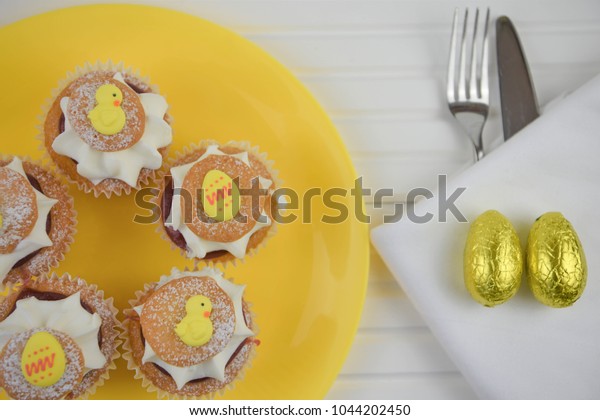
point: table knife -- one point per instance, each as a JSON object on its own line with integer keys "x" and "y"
{"x": 517, "y": 95}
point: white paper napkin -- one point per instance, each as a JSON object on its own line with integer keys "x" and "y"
{"x": 521, "y": 349}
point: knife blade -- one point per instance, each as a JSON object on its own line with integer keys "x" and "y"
{"x": 518, "y": 100}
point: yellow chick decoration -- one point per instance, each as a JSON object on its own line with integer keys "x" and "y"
{"x": 108, "y": 117}
{"x": 196, "y": 328}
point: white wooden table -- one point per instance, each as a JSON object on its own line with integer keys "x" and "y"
{"x": 377, "y": 67}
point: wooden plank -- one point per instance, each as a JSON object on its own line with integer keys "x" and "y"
{"x": 438, "y": 386}
{"x": 401, "y": 97}
{"x": 286, "y": 15}
{"x": 385, "y": 351}
{"x": 387, "y": 307}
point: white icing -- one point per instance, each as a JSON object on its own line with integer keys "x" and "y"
{"x": 198, "y": 247}
{"x": 215, "y": 366}
{"x": 64, "y": 315}
{"x": 37, "y": 238}
{"x": 126, "y": 164}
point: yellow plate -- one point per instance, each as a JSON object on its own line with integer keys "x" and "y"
{"x": 307, "y": 285}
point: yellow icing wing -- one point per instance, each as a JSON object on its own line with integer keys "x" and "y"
{"x": 108, "y": 116}
{"x": 181, "y": 328}
{"x": 196, "y": 328}
{"x": 94, "y": 115}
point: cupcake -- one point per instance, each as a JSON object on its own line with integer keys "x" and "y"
{"x": 190, "y": 335}
{"x": 107, "y": 129}
{"x": 58, "y": 339}
{"x": 217, "y": 201}
{"x": 37, "y": 220}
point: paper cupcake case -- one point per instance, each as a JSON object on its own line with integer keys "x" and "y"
{"x": 185, "y": 156}
{"x": 107, "y": 187}
{"x": 140, "y": 298}
{"x": 92, "y": 296}
{"x": 63, "y": 227}
{"x": 164, "y": 395}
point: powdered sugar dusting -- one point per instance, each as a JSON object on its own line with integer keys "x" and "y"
{"x": 51, "y": 127}
{"x": 214, "y": 230}
{"x": 82, "y": 99}
{"x": 61, "y": 231}
{"x": 18, "y": 208}
{"x": 15, "y": 384}
{"x": 157, "y": 379}
{"x": 191, "y": 153}
{"x": 166, "y": 308}
{"x": 92, "y": 298}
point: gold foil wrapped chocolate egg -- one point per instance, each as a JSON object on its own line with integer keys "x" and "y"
{"x": 493, "y": 260}
{"x": 556, "y": 266}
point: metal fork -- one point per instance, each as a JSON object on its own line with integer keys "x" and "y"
{"x": 468, "y": 94}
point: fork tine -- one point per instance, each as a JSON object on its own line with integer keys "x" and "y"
{"x": 451, "y": 76}
{"x": 468, "y": 94}
{"x": 474, "y": 92}
{"x": 462, "y": 78}
{"x": 484, "y": 90}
